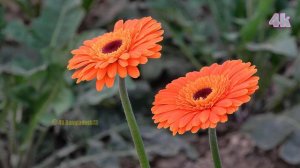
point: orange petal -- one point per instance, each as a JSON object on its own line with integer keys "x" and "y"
{"x": 244, "y": 98}
{"x": 133, "y": 71}
{"x": 163, "y": 108}
{"x": 219, "y": 110}
{"x": 99, "y": 85}
{"x": 195, "y": 129}
{"x": 119, "y": 25}
{"x": 213, "y": 117}
{"x": 161, "y": 125}
{"x": 185, "y": 120}
{"x": 223, "y": 118}
{"x": 133, "y": 62}
{"x": 112, "y": 60}
{"x": 143, "y": 60}
{"x": 91, "y": 75}
{"x": 75, "y": 74}
{"x": 101, "y": 73}
{"x": 122, "y": 71}
{"x": 103, "y": 64}
{"x": 204, "y": 115}
{"x": 109, "y": 81}
{"x": 237, "y": 93}
{"x": 123, "y": 63}
{"x": 125, "y": 56}
{"x": 156, "y": 55}
{"x": 231, "y": 110}
{"x": 212, "y": 125}
{"x": 112, "y": 70}
{"x": 224, "y": 103}
{"x": 196, "y": 120}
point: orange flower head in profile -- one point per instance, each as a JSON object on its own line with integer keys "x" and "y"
{"x": 118, "y": 52}
{"x": 204, "y": 98}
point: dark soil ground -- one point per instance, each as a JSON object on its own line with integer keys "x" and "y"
{"x": 236, "y": 149}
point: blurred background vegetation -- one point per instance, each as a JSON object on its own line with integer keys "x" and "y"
{"x": 36, "y": 37}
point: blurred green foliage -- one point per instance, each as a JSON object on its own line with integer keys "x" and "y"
{"x": 36, "y": 88}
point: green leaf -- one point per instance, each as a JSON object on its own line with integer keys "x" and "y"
{"x": 42, "y": 105}
{"x": 56, "y": 25}
{"x": 2, "y": 23}
{"x": 47, "y": 118}
{"x": 293, "y": 113}
{"x": 20, "y": 60}
{"x": 268, "y": 130}
{"x": 295, "y": 69}
{"x": 152, "y": 69}
{"x": 28, "y": 8}
{"x": 17, "y": 31}
{"x": 164, "y": 144}
{"x": 250, "y": 29}
{"x": 283, "y": 87}
{"x": 172, "y": 67}
{"x": 222, "y": 17}
{"x": 58, "y": 22}
{"x": 63, "y": 101}
{"x": 282, "y": 44}
{"x": 290, "y": 151}
{"x": 87, "y": 4}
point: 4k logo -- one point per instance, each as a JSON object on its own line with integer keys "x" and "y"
{"x": 280, "y": 20}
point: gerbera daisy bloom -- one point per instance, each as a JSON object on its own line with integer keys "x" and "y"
{"x": 131, "y": 43}
{"x": 204, "y": 98}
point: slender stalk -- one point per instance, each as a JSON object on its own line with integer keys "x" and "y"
{"x": 133, "y": 127}
{"x": 5, "y": 112}
{"x": 213, "y": 143}
{"x": 26, "y": 147}
{"x": 4, "y": 160}
{"x": 41, "y": 109}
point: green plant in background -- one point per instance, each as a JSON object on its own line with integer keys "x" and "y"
{"x": 242, "y": 30}
{"x": 280, "y": 125}
{"x": 35, "y": 89}
{"x": 272, "y": 130}
{"x": 198, "y": 32}
{"x": 118, "y": 53}
{"x": 32, "y": 75}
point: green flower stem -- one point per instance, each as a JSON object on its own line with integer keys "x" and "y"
{"x": 133, "y": 127}
{"x": 213, "y": 143}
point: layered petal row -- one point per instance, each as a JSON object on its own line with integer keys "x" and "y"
{"x": 120, "y": 52}
{"x": 204, "y": 98}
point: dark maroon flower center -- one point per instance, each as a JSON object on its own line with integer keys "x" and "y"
{"x": 111, "y": 46}
{"x": 203, "y": 93}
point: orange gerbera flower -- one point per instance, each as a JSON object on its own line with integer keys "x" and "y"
{"x": 204, "y": 98}
{"x": 131, "y": 43}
